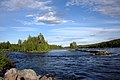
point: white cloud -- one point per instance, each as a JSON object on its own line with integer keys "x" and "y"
{"x": 45, "y": 13}
{"x": 47, "y": 18}
{"x": 3, "y": 28}
{"x": 85, "y": 31}
{"x": 75, "y": 31}
{"x": 111, "y": 22}
{"x": 24, "y": 29}
{"x": 82, "y": 35}
{"x": 51, "y": 18}
{"x": 22, "y": 4}
{"x": 106, "y": 7}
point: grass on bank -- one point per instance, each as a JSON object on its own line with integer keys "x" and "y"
{"x": 5, "y": 63}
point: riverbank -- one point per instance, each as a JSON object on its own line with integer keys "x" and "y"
{"x": 9, "y": 72}
{"x": 4, "y": 50}
{"x": 5, "y": 63}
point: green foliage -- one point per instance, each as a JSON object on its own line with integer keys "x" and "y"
{"x": 73, "y": 45}
{"x": 35, "y": 44}
{"x": 4, "y": 62}
{"x": 14, "y": 47}
{"x": 56, "y": 47}
{"x": 32, "y": 44}
{"x": 5, "y": 45}
{"x": 41, "y": 38}
{"x": 108, "y": 44}
{"x": 19, "y": 42}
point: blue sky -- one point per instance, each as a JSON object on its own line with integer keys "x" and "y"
{"x": 60, "y": 21}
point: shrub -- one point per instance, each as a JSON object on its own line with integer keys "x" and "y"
{"x": 5, "y": 62}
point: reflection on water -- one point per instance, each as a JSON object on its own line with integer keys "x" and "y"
{"x": 71, "y": 65}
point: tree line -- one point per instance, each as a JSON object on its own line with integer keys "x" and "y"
{"x": 38, "y": 44}
{"x": 32, "y": 44}
{"x": 108, "y": 44}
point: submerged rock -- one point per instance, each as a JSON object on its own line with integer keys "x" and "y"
{"x": 102, "y": 53}
{"x": 25, "y": 74}
{"x": 95, "y": 52}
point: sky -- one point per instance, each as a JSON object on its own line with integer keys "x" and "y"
{"x": 60, "y": 21}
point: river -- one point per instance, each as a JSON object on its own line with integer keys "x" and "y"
{"x": 71, "y": 65}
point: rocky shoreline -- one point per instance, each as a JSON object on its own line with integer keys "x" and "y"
{"x": 8, "y": 71}
{"x": 25, "y": 74}
{"x": 95, "y": 52}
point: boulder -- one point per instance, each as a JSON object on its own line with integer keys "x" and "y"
{"x": 39, "y": 76}
{"x": 11, "y": 74}
{"x": 25, "y": 74}
{"x": 49, "y": 78}
{"x": 43, "y": 78}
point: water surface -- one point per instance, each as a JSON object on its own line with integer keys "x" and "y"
{"x": 71, "y": 65}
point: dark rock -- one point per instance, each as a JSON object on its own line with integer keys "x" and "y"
{"x": 43, "y": 78}
{"x": 39, "y": 76}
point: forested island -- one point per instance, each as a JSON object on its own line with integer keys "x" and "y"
{"x": 31, "y": 45}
